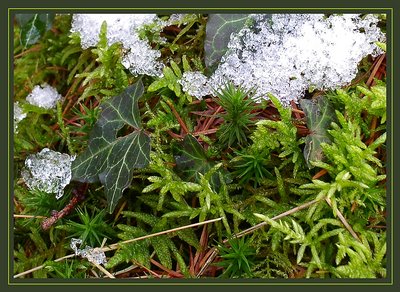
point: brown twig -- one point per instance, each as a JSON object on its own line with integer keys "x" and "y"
{"x": 170, "y": 272}
{"x": 205, "y": 132}
{"x": 295, "y": 110}
{"x": 196, "y": 263}
{"x": 375, "y": 70}
{"x": 33, "y": 49}
{"x": 373, "y": 133}
{"x": 174, "y": 135}
{"x": 320, "y": 173}
{"x": 198, "y": 101}
{"x": 77, "y": 198}
{"x": 212, "y": 118}
{"x": 59, "y": 68}
{"x": 178, "y": 117}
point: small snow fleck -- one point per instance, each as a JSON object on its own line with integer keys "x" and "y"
{"x": 175, "y": 19}
{"x": 139, "y": 58}
{"x": 285, "y": 54}
{"x": 48, "y": 171}
{"x": 19, "y": 115}
{"x": 94, "y": 255}
{"x": 44, "y": 96}
{"x": 195, "y": 84}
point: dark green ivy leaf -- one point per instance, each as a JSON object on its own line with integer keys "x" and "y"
{"x": 33, "y": 26}
{"x": 320, "y": 115}
{"x": 191, "y": 161}
{"x": 111, "y": 159}
{"x": 218, "y": 32}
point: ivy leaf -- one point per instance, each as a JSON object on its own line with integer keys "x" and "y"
{"x": 319, "y": 115}
{"x": 33, "y": 26}
{"x": 191, "y": 161}
{"x": 218, "y": 32}
{"x": 111, "y": 159}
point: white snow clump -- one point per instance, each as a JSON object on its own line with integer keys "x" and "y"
{"x": 288, "y": 53}
{"x": 94, "y": 255}
{"x": 195, "y": 84}
{"x": 44, "y": 96}
{"x": 139, "y": 57}
{"x": 19, "y": 115}
{"x": 48, "y": 171}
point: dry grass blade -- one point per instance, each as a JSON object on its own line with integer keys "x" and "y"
{"x": 344, "y": 221}
{"x": 117, "y": 245}
{"x": 28, "y": 216}
{"x": 101, "y": 268}
{"x": 214, "y": 252}
{"x": 41, "y": 267}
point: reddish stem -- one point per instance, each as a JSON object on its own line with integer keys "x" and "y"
{"x": 77, "y": 198}
{"x": 178, "y": 117}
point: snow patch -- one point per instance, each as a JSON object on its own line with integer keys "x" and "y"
{"x": 139, "y": 57}
{"x": 19, "y": 115}
{"x": 48, "y": 171}
{"x": 44, "y": 96}
{"x": 289, "y": 53}
{"x": 94, "y": 255}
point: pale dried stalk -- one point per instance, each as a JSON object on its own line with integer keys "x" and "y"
{"x": 291, "y": 211}
{"x": 284, "y": 214}
{"x": 41, "y": 266}
{"x": 252, "y": 229}
{"x": 344, "y": 221}
{"x": 117, "y": 245}
{"x": 29, "y": 216}
{"x": 128, "y": 269}
{"x": 101, "y": 268}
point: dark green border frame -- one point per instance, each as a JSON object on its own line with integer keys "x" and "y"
{"x": 17, "y": 8}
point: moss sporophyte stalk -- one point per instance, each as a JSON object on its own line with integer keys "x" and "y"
{"x": 200, "y": 146}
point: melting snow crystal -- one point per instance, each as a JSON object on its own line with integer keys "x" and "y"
{"x": 94, "y": 255}
{"x": 289, "y": 53}
{"x": 195, "y": 84}
{"x": 48, "y": 171}
{"x": 19, "y": 115}
{"x": 140, "y": 58}
{"x": 44, "y": 96}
